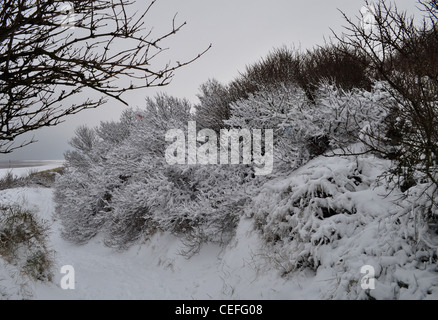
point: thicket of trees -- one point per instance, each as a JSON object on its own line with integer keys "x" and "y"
{"x": 374, "y": 86}
{"x": 285, "y": 67}
{"x": 117, "y": 182}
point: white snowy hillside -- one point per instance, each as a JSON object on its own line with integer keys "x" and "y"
{"x": 306, "y": 235}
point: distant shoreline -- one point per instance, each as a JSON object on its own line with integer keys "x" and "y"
{"x": 12, "y": 164}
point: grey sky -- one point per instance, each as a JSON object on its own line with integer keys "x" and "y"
{"x": 241, "y": 32}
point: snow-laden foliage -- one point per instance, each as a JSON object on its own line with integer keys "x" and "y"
{"x": 332, "y": 215}
{"x": 118, "y": 182}
{"x": 201, "y": 203}
{"x": 335, "y": 216}
{"x": 303, "y": 130}
{"x": 25, "y": 256}
{"x": 122, "y": 186}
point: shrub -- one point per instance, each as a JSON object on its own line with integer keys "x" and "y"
{"x": 283, "y": 67}
{"x": 214, "y": 105}
{"x": 23, "y": 242}
{"x": 9, "y": 180}
{"x": 44, "y": 178}
{"x": 403, "y": 53}
{"x": 346, "y": 69}
{"x": 125, "y": 190}
{"x": 333, "y": 216}
{"x": 304, "y": 130}
{"x": 311, "y": 210}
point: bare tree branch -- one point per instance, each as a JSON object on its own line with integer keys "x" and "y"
{"x": 404, "y": 54}
{"x": 51, "y": 51}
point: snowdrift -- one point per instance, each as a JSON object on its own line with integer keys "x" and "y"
{"x": 337, "y": 214}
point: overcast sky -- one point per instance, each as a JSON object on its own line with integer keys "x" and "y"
{"x": 240, "y": 31}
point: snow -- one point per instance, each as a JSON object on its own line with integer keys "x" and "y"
{"x": 156, "y": 269}
{"x": 245, "y": 268}
{"x": 368, "y": 227}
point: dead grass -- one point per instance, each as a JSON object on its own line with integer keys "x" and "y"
{"x": 24, "y": 242}
{"x": 44, "y": 179}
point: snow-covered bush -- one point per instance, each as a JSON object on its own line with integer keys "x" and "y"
{"x": 122, "y": 186}
{"x": 80, "y": 202}
{"x": 118, "y": 182}
{"x": 83, "y": 191}
{"x": 303, "y": 130}
{"x": 199, "y": 203}
{"x": 333, "y": 216}
{"x": 105, "y": 159}
{"x": 279, "y": 110}
{"x": 305, "y": 211}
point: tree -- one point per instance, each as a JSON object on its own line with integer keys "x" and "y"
{"x": 52, "y": 51}
{"x": 347, "y": 69}
{"x": 403, "y": 54}
{"x": 214, "y": 105}
{"x": 123, "y": 188}
{"x": 282, "y": 66}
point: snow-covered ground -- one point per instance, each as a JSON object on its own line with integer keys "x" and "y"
{"x": 156, "y": 269}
